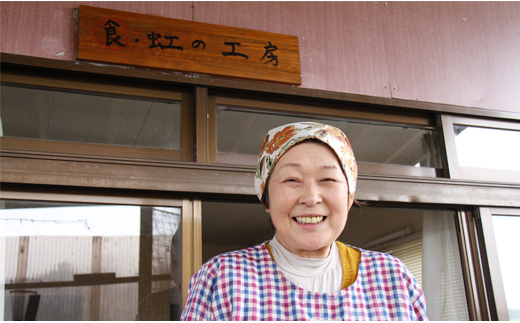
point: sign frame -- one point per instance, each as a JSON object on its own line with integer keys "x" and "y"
{"x": 125, "y": 38}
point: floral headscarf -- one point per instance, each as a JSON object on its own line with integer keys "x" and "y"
{"x": 280, "y": 139}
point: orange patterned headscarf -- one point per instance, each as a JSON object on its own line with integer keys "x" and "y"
{"x": 280, "y": 139}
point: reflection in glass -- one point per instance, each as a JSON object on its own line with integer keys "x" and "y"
{"x": 426, "y": 242}
{"x": 76, "y": 117}
{"x": 90, "y": 262}
{"x": 242, "y": 132}
{"x": 487, "y": 147}
{"x": 507, "y": 239}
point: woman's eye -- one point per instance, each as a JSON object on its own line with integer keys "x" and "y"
{"x": 328, "y": 180}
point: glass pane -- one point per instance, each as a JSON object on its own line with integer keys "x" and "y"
{"x": 507, "y": 239}
{"x": 242, "y": 132}
{"x": 425, "y": 240}
{"x": 89, "y": 262}
{"x": 487, "y": 147}
{"x": 67, "y": 116}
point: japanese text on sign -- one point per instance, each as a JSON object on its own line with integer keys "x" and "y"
{"x": 142, "y": 40}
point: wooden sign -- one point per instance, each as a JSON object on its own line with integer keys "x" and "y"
{"x": 119, "y": 37}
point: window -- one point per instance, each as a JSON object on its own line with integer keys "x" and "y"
{"x": 425, "y": 240}
{"x": 410, "y": 149}
{"x": 69, "y": 261}
{"x": 67, "y": 116}
{"x": 482, "y": 149}
{"x": 500, "y": 227}
{"x": 73, "y": 128}
{"x": 40, "y": 114}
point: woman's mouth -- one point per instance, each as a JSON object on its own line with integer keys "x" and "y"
{"x": 309, "y": 219}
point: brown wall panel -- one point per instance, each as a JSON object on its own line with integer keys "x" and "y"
{"x": 341, "y": 43}
{"x": 457, "y": 53}
{"x": 461, "y": 53}
{"x": 48, "y": 28}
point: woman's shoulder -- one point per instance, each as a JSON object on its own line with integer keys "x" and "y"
{"x": 251, "y": 255}
{"x": 389, "y": 266}
{"x": 377, "y": 259}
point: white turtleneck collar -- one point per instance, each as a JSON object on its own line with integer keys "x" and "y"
{"x": 317, "y": 275}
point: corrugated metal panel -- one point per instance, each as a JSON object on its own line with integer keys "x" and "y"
{"x": 63, "y": 304}
{"x": 58, "y": 258}
{"x": 56, "y": 304}
{"x": 55, "y": 259}
{"x": 120, "y": 255}
{"x": 118, "y": 302}
{"x": 11, "y": 258}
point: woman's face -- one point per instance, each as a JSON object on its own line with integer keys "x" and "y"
{"x": 308, "y": 199}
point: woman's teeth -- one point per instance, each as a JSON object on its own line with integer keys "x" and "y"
{"x": 309, "y": 219}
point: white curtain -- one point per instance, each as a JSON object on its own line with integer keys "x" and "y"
{"x": 443, "y": 285}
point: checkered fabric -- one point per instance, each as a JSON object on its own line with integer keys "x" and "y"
{"x": 246, "y": 285}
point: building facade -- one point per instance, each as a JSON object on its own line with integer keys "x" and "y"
{"x": 118, "y": 182}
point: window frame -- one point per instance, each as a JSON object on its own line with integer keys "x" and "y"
{"x": 319, "y": 110}
{"x": 198, "y": 174}
{"x": 495, "y": 284}
{"x": 191, "y": 220}
{"x": 473, "y": 173}
{"x": 43, "y": 147}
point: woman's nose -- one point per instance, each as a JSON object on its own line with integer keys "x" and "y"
{"x": 310, "y": 194}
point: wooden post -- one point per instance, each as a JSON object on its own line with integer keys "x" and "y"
{"x": 95, "y": 291}
{"x": 21, "y": 277}
{"x": 145, "y": 253}
{"x": 201, "y": 107}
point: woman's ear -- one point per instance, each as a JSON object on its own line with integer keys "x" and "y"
{"x": 267, "y": 210}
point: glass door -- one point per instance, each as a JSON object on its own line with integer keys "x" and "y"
{"x": 425, "y": 240}
{"x": 87, "y": 261}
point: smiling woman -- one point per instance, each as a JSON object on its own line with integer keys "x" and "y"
{"x": 306, "y": 185}
{"x": 306, "y": 179}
